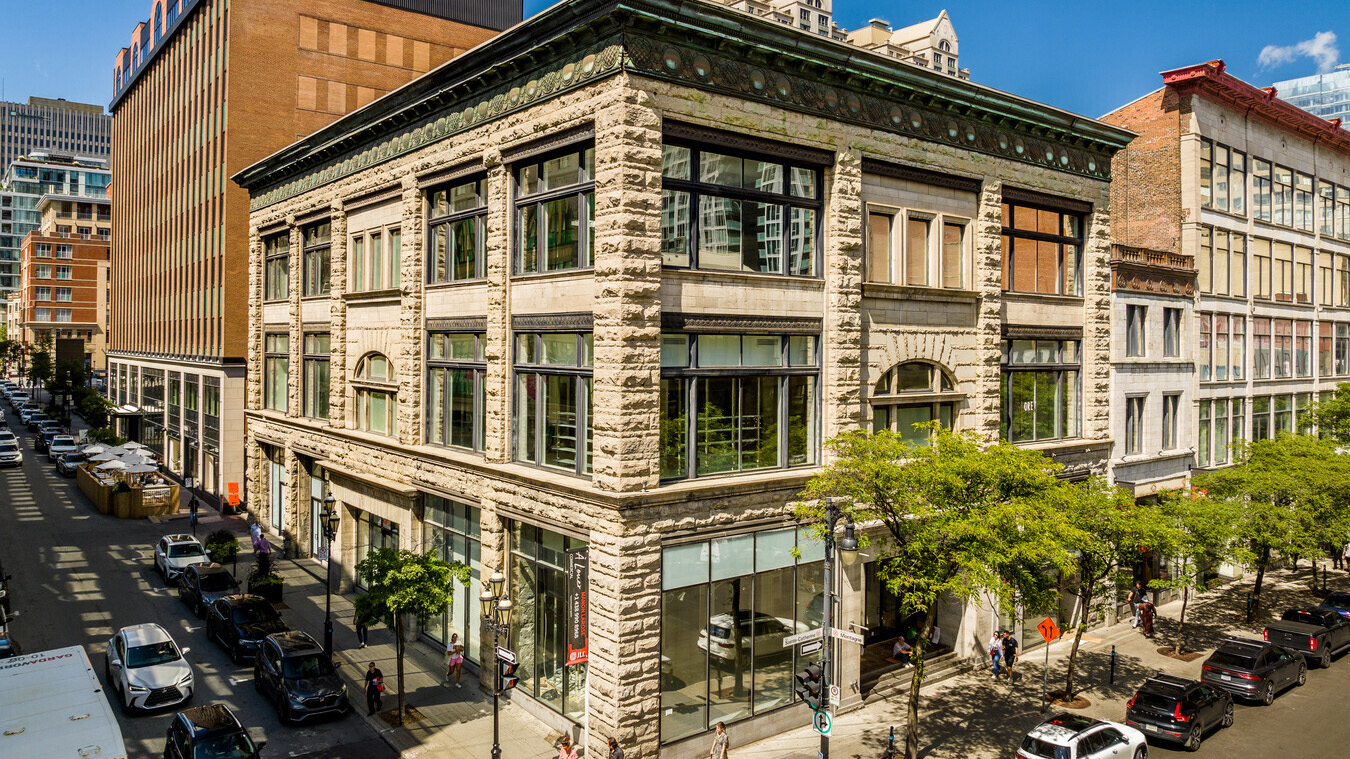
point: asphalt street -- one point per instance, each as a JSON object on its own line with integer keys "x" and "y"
{"x": 79, "y": 576}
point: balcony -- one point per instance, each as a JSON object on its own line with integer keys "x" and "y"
{"x": 1152, "y": 272}
{"x": 1159, "y": 258}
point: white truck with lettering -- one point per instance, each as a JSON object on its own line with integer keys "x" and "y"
{"x": 52, "y": 706}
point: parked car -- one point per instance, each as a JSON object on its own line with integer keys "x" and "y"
{"x": 10, "y": 455}
{"x": 67, "y": 463}
{"x": 35, "y": 420}
{"x": 27, "y": 411}
{"x": 60, "y": 445}
{"x": 292, "y": 671}
{"x": 1178, "y": 710}
{"x": 174, "y": 553}
{"x": 200, "y": 585}
{"x": 5, "y": 609}
{"x": 766, "y": 632}
{"x": 1337, "y": 602}
{"x": 1074, "y": 736}
{"x": 19, "y": 398}
{"x": 147, "y": 669}
{"x": 1314, "y": 633}
{"x": 239, "y": 623}
{"x": 1254, "y": 669}
{"x": 209, "y": 731}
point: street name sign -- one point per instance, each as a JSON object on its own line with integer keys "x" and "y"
{"x": 851, "y": 637}
{"x": 805, "y": 637}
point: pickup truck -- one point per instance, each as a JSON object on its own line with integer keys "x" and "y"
{"x": 1314, "y": 633}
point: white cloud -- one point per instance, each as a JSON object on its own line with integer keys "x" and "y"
{"x": 1321, "y": 48}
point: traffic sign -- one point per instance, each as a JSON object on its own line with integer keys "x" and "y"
{"x": 851, "y": 637}
{"x": 822, "y": 723}
{"x": 506, "y": 655}
{"x": 1048, "y": 629}
{"x": 810, "y": 648}
{"x": 834, "y": 695}
{"x": 805, "y": 637}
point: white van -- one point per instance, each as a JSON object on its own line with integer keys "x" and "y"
{"x": 52, "y": 706}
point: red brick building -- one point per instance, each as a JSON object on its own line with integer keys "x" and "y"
{"x": 64, "y": 276}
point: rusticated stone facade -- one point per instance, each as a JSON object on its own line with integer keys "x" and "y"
{"x": 625, "y": 510}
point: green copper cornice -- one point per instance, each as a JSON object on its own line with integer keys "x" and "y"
{"x": 697, "y": 45}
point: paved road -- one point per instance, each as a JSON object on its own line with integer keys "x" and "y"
{"x": 79, "y": 576}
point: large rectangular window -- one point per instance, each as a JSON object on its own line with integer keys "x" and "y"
{"x": 1303, "y": 202}
{"x": 1042, "y": 250}
{"x": 1222, "y": 262}
{"x": 1303, "y": 349}
{"x": 374, "y": 257}
{"x": 1342, "y": 349}
{"x": 457, "y": 215}
{"x": 1134, "y": 424}
{"x": 1326, "y": 352}
{"x": 1135, "y": 339}
{"x": 1282, "y": 272}
{"x": 726, "y": 605}
{"x": 552, "y": 423}
{"x": 276, "y": 370}
{"x": 317, "y": 241}
{"x": 1041, "y": 392}
{"x": 1303, "y": 275}
{"x": 456, "y": 398}
{"x": 316, "y": 350}
{"x": 1261, "y": 268}
{"x": 1283, "y": 196}
{"x": 539, "y": 593}
{"x": 1261, "y": 189}
{"x": 741, "y": 212}
{"x": 555, "y": 212}
{"x": 1171, "y": 332}
{"x": 1170, "y": 409}
{"x": 451, "y": 532}
{"x": 733, "y": 403}
{"x": 277, "y": 267}
{"x": 1261, "y": 347}
{"x": 1282, "y": 348}
{"x": 1222, "y": 177}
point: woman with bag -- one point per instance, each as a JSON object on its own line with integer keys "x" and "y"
{"x": 565, "y": 751}
{"x": 720, "y": 742}
{"x": 374, "y": 687}
{"x": 996, "y": 651}
{"x": 454, "y": 658}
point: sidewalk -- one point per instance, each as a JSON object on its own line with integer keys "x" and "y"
{"x": 971, "y": 716}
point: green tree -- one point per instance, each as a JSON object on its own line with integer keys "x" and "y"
{"x": 1200, "y": 537}
{"x": 1331, "y": 414}
{"x": 1290, "y": 495}
{"x": 1109, "y": 529}
{"x": 958, "y": 518}
{"x": 40, "y": 366}
{"x": 405, "y": 585}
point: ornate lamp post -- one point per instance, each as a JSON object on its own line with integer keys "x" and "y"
{"x": 496, "y": 611}
{"x": 329, "y": 519}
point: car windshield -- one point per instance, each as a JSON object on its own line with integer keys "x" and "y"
{"x": 155, "y": 653}
{"x": 301, "y": 667}
{"x": 1236, "y": 661}
{"x": 72, "y": 458}
{"x": 237, "y": 746}
{"x": 1040, "y": 748}
{"x": 1306, "y": 618}
{"x": 63, "y": 440}
{"x": 1155, "y": 701}
{"x": 252, "y": 614}
{"x": 8, "y": 446}
{"x": 1338, "y": 600}
{"x": 216, "y": 581}
{"x": 188, "y": 549}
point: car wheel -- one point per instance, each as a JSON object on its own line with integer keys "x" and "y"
{"x": 1141, "y": 752}
{"x": 1302, "y": 675}
{"x": 1193, "y": 739}
{"x": 283, "y": 712}
{"x": 1228, "y": 715}
{"x": 1325, "y": 661}
{"x": 257, "y": 680}
{"x": 1268, "y": 695}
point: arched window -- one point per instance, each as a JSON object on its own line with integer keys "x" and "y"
{"x": 913, "y": 393}
{"x": 159, "y": 22}
{"x": 376, "y": 395}
{"x": 945, "y": 46}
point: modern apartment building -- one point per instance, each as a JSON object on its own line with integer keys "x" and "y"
{"x": 1257, "y": 191}
{"x": 31, "y": 178}
{"x": 590, "y": 320}
{"x": 1326, "y": 95}
{"x": 53, "y": 126}
{"x": 199, "y": 94}
{"x": 65, "y": 267}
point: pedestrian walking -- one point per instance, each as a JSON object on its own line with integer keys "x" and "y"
{"x": 1136, "y": 597}
{"x": 1146, "y": 613}
{"x": 614, "y": 751}
{"x": 1337, "y": 557}
{"x": 454, "y": 658}
{"x": 996, "y": 650}
{"x": 565, "y": 751}
{"x": 721, "y": 741}
{"x": 1345, "y": 555}
{"x": 1009, "y": 654}
{"x": 192, "y": 514}
{"x": 374, "y": 687}
{"x": 362, "y": 632}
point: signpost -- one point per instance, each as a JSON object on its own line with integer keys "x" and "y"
{"x": 506, "y": 655}
{"x": 1050, "y": 631}
{"x": 834, "y": 695}
{"x": 851, "y": 637}
{"x": 821, "y": 722}
{"x": 810, "y": 648}
{"x": 805, "y": 637}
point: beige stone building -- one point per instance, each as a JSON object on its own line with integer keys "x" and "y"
{"x": 599, "y": 293}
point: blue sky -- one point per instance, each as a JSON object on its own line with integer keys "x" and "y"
{"x": 1071, "y": 54}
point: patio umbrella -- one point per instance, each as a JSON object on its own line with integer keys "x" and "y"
{"x": 141, "y": 469}
{"x": 94, "y": 450}
{"x": 118, "y": 450}
{"x": 133, "y": 446}
{"x": 107, "y": 465}
{"x": 103, "y": 457}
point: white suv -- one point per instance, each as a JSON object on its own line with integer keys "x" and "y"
{"x": 174, "y": 553}
{"x": 147, "y": 669}
{"x": 1074, "y": 736}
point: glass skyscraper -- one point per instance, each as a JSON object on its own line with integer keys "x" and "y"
{"x": 1326, "y": 95}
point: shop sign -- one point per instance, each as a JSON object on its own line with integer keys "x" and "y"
{"x": 578, "y": 604}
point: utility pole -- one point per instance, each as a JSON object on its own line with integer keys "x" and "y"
{"x": 817, "y": 696}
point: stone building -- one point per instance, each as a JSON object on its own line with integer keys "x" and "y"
{"x": 602, "y": 285}
{"x": 1257, "y": 191}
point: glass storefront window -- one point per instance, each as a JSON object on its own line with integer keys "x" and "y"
{"x": 451, "y": 533}
{"x": 538, "y": 588}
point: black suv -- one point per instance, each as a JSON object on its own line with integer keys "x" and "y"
{"x": 292, "y": 670}
{"x": 210, "y": 730}
{"x": 1178, "y": 710}
{"x": 1254, "y": 669}
{"x": 200, "y": 585}
{"x": 239, "y": 623}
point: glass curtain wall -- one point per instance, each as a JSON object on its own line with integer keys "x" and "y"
{"x": 538, "y": 587}
{"x": 450, "y": 532}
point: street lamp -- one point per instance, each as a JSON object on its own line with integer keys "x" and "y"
{"x": 848, "y": 553}
{"x": 329, "y": 519}
{"x": 496, "y": 610}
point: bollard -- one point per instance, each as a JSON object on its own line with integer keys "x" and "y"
{"x": 1113, "y": 665}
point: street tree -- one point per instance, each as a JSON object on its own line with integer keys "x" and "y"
{"x": 1200, "y": 537}
{"x": 404, "y": 586}
{"x": 960, "y": 519}
{"x": 1331, "y": 414}
{"x": 40, "y": 362}
{"x": 1109, "y": 529}
{"x": 1292, "y": 498}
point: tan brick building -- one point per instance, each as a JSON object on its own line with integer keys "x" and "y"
{"x": 610, "y": 293}
{"x": 198, "y": 95}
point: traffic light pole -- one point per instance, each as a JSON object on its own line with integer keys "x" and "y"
{"x": 827, "y": 620}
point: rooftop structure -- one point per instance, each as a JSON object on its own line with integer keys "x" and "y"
{"x": 52, "y": 125}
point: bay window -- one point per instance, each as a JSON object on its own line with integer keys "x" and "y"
{"x": 553, "y": 424}
{"x": 733, "y": 403}
{"x": 1041, "y": 393}
{"x": 456, "y": 398}
{"x": 555, "y": 212}
{"x": 457, "y": 215}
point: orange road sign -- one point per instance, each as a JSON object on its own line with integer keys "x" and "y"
{"x": 1048, "y": 629}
